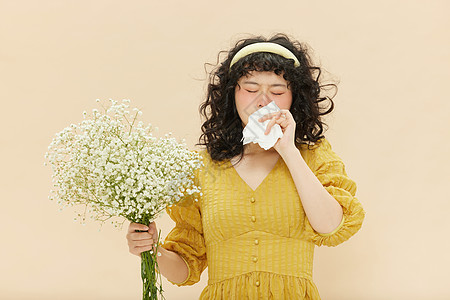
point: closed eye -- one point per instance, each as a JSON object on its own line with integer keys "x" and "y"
{"x": 277, "y": 94}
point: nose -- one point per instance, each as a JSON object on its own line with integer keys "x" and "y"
{"x": 263, "y": 100}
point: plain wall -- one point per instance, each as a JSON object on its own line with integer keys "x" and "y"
{"x": 390, "y": 126}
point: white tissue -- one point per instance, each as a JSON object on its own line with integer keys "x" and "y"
{"x": 254, "y": 131}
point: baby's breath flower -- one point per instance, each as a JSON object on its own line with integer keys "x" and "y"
{"x": 112, "y": 165}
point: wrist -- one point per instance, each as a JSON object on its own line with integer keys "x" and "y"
{"x": 290, "y": 151}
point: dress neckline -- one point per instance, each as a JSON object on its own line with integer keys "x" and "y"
{"x": 262, "y": 182}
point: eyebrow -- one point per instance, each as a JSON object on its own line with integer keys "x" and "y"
{"x": 276, "y": 84}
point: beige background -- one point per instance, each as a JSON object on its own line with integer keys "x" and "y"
{"x": 390, "y": 127}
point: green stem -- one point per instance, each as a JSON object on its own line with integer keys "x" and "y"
{"x": 149, "y": 264}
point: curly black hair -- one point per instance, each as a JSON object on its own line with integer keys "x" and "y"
{"x": 222, "y": 130}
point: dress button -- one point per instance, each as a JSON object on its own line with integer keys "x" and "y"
{"x": 255, "y": 259}
{"x": 253, "y": 219}
{"x": 257, "y": 283}
{"x": 256, "y": 242}
{"x": 252, "y": 200}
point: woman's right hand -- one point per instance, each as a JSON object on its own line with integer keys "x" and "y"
{"x": 139, "y": 242}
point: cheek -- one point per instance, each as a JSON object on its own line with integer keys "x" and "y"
{"x": 242, "y": 98}
{"x": 284, "y": 102}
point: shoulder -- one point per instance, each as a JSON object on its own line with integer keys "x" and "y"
{"x": 203, "y": 156}
{"x": 201, "y": 152}
{"x": 191, "y": 199}
{"x": 209, "y": 162}
{"x": 207, "y": 165}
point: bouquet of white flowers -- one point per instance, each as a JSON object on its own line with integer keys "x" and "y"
{"x": 114, "y": 169}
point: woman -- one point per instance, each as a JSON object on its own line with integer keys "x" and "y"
{"x": 261, "y": 212}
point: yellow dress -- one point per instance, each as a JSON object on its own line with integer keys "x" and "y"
{"x": 258, "y": 244}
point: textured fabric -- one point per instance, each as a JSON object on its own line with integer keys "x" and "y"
{"x": 258, "y": 244}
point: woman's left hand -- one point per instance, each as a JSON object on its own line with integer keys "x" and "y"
{"x": 287, "y": 124}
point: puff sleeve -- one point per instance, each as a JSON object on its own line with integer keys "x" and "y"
{"x": 186, "y": 238}
{"x": 330, "y": 171}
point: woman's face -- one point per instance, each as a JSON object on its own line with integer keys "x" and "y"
{"x": 259, "y": 89}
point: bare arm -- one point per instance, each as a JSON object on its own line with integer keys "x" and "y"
{"x": 172, "y": 266}
{"x": 323, "y": 211}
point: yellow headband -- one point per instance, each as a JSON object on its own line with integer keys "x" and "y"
{"x": 264, "y": 47}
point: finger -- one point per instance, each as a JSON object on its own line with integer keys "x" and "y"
{"x": 152, "y": 227}
{"x": 136, "y": 226}
{"x": 147, "y": 246}
{"x": 139, "y": 250}
{"x": 282, "y": 116}
{"x": 270, "y": 115}
{"x": 265, "y": 117}
{"x": 269, "y": 126}
{"x": 143, "y": 243}
{"x": 137, "y": 236}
